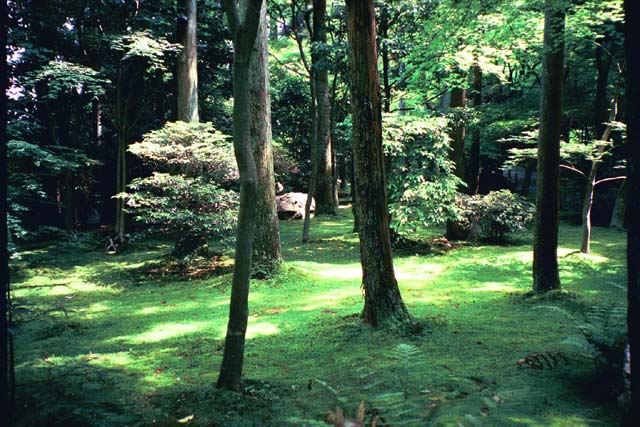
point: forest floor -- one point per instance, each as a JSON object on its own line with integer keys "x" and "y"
{"x": 108, "y": 340}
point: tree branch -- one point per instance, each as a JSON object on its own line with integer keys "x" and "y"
{"x": 571, "y": 168}
{"x": 613, "y": 178}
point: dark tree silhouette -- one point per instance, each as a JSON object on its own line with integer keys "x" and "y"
{"x": 632, "y": 52}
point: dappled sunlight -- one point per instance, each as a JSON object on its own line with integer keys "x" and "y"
{"x": 332, "y": 299}
{"x": 332, "y": 271}
{"x": 255, "y": 329}
{"x": 494, "y": 287}
{"x": 164, "y": 331}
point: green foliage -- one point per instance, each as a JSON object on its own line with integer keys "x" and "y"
{"x": 184, "y": 196}
{"x": 496, "y": 215}
{"x": 143, "y": 45}
{"x": 421, "y": 183}
{"x": 64, "y": 78}
{"x": 182, "y": 206}
{"x": 192, "y": 149}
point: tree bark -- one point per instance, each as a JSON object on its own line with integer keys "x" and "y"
{"x": 187, "y": 64}
{"x": 474, "y": 160}
{"x": 5, "y": 406}
{"x": 244, "y": 27}
{"x": 632, "y": 53}
{"x": 546, "y": 276}
{"x": 267, "y": 250}
{"x": 383, "y": 303}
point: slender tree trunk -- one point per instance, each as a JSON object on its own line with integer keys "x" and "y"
{"x": 267, "y": 250}
{"x": 5, "y": 406}
{"x": 313, "y": 179}
{"x": 545, "y": 235}
{"x": 587, "y": 204}
{"x": 187, "y": 64}
{"x": 454, "y": 231}
{"x": 382, "y": 301}
{"x": 632, "y": 53}
{"x": 320, "y": 62}
{"x": 619, "y": 208}
{"x": 121, "y": 182}
{"x": 474, "y": 160}
{"x": 244, "y": 27}
{"x": 600, "y": 105}
{"x": 529, "y": 167}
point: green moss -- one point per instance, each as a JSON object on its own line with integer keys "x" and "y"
{"x": 101, "y": 343}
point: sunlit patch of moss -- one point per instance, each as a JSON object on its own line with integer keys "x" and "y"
{"x": 147, "y": 349}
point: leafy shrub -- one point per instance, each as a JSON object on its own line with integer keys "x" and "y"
{"x": 495, "y": 215}
{"x": 187, "y": 196}
{"x": 421, "y": 182}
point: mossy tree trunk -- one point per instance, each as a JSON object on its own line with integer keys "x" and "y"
{"x": 546, "y": 276}
{"x": 187, "y": 64}
{"x": 632, "y": 53}
{"x": 243, "y": 19}
{"x": 267, "y": 250}
{"x": 383, "y": 303}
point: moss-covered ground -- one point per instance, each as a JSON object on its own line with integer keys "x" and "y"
{"x": 105, "y": 342}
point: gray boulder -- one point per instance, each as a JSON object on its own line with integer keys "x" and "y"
{"x": 291, "y": 205}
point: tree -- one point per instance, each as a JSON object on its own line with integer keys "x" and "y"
{"x": 267, "y": 251}
{"x": 5, "y": 405}
{"x": 321, "y": 181}
{"x": 382, "y": 300}
{"x": 632, "y": 53}
{"x": 187, "y": 64}
{"x": 243, "y": 20}
{"x": 546, "y": 276}
{"x": 474, "y": 158}
{"x": 320, "y": 62}
{"x": 187, "y": 196}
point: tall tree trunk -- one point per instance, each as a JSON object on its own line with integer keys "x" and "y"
{"x": 587, "y": 204}
{"x": 454, "y": 231}
{"x": 313, "y": 179}
{"x": 474, "y": 160}
{"x": 632, "y": 53}
{"x": 5, "y": 406}
{"x": 545, "y": 234}
{"x": 383, "y": 303}
{"x": 320, "y": 62}
{"x": 187, "y": 64}
{"x": 244, "y": 27}
{"x": 267, "y": 250}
